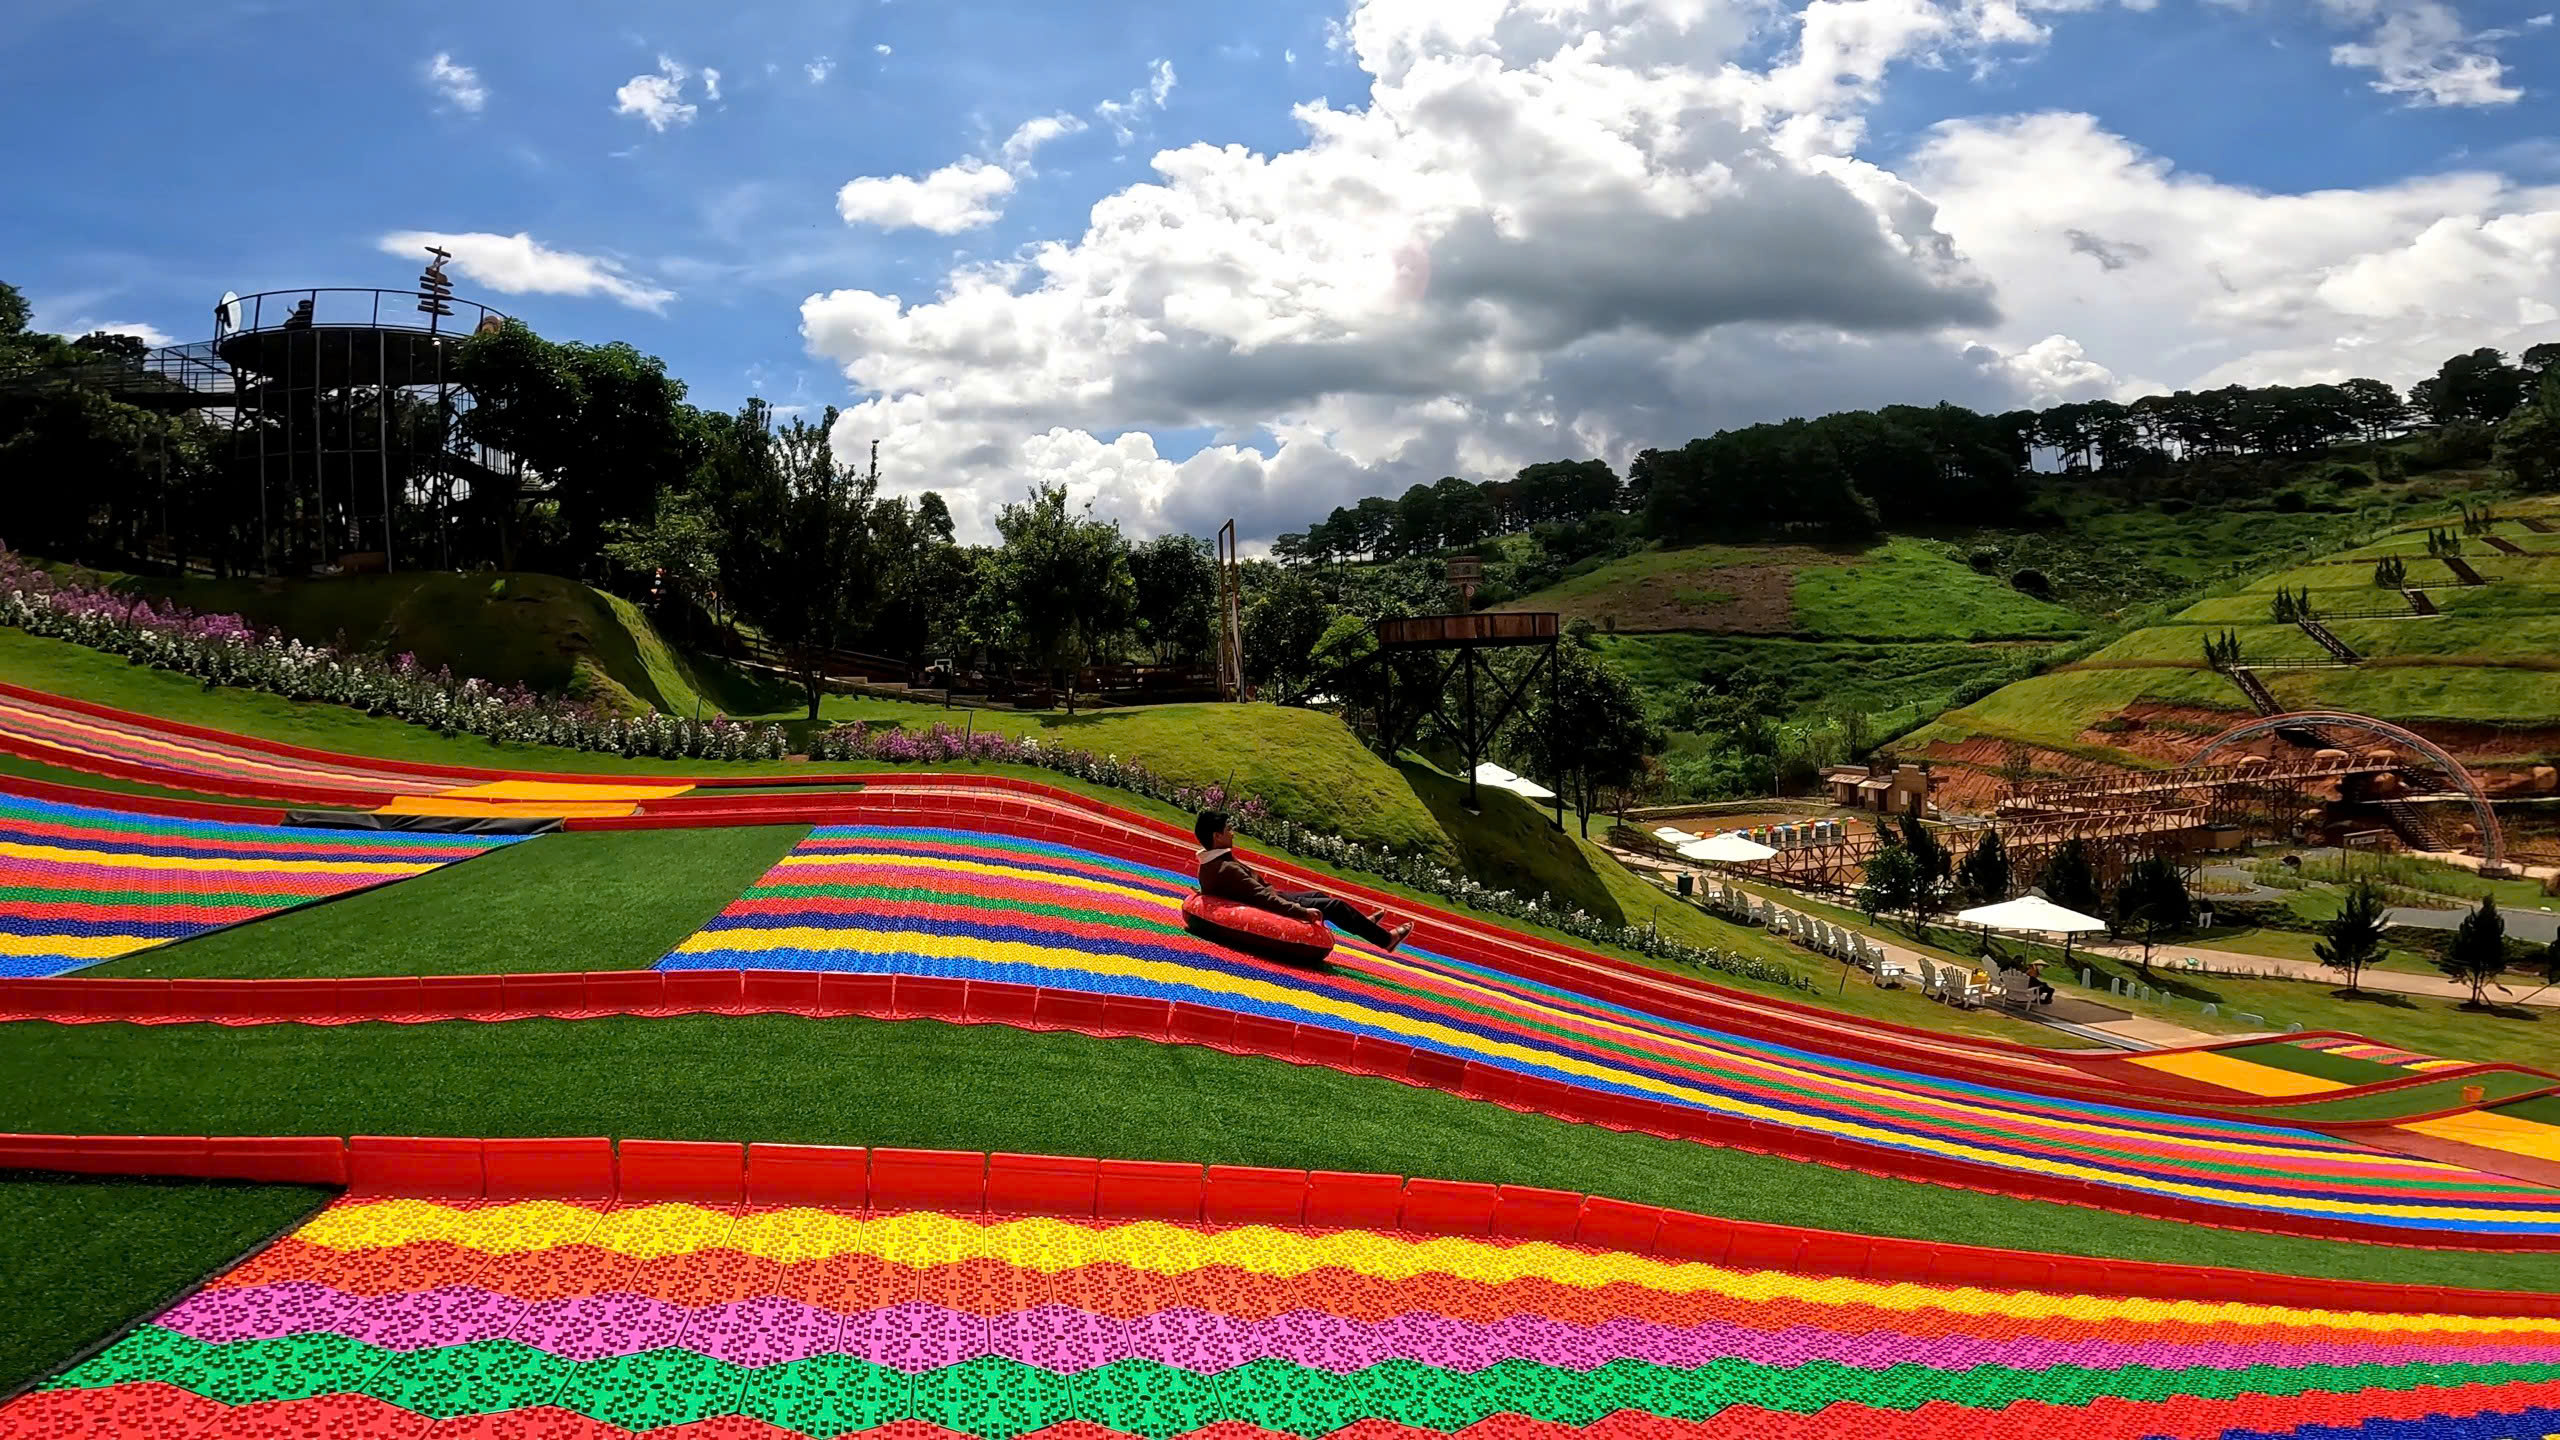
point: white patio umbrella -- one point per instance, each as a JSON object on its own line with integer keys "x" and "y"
{"x": 1730, "y": 849}
{"x": 2032, "y": 913}
{"x": 1674, "y": 836}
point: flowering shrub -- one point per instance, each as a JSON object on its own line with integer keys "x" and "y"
{"x": 942, "y": 744}
{"x": 227, "y": 650}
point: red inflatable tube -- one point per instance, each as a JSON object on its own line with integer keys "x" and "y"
{"x": 1257, "y": 931}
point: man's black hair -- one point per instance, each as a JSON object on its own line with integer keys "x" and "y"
{"x": 1209, "y": 823}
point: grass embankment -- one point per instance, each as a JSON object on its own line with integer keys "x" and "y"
{"x": 588, "y": 900}
{"x": 1305, "y": 763}
{"x": 80, "y": 1259}
{"x": 550, "y": 633}
{"x": 923, "y": 1083}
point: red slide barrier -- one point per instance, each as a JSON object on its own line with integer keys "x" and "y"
{"x": 970, "y": 1183}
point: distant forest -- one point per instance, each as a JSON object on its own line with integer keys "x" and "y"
{"x": 1856, "y": 473}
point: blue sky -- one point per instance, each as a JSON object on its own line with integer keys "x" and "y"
{"x": 195, "y": 147}
{"x": 164, "y": 152}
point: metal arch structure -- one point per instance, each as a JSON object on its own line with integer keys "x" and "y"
{"x": 2493, "y": 840}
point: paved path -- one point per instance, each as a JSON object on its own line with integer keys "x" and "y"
{"x": 2539, "y": 926}
{"x": 2166, "y": 958}
{"x": 2535, "y": 923}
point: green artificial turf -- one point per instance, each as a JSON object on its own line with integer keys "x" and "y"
{"x": 924, "y": 1083}
{"x": 583, "y": 900}
{"x": 81, "y": 1258}
{"x": 2324, "y": 1064}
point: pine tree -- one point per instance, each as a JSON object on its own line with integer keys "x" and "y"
{"x": 2479, "y": 952}
{"x": 2353, "y": 940}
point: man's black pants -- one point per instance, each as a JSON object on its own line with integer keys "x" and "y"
{"x": 1342, "y": 915}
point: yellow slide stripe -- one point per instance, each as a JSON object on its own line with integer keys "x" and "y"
{"x": 2215, "y": 1068}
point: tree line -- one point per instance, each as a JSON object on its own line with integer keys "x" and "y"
{"x": 1852, "y": 474}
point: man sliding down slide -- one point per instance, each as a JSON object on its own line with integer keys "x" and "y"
{"x": 1224, "y": 877}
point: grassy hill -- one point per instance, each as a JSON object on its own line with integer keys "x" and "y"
{"x": 1899, "y": 631}
{"x": 2482, "y": 677}
{"x": 555, "y": 635}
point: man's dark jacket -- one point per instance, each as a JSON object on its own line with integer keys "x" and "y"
{"x": 1224, "y": 877}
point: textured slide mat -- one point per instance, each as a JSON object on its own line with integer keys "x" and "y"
{"x": 80, "y": 884}
{"x": 411, "y": 1316}
{"x": 979, "y": 905}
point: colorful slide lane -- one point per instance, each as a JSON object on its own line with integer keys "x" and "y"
{"x": 411, "y": 1317}
{"x": 80, "y": 734}
{"x": 81, "y": 884}
{"x": 100, "y": 740}
{"x": 980, "y": 905}
{"x": 62, "y": 736}
{"x": 2487, "y": 1138}
{"x": 2356, "y": 1047}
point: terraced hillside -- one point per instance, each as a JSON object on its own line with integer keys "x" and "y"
{"x": 2466, "y": 650}
{"x": 1896, "y": 632}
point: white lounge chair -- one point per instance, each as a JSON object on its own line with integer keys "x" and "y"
{"x": 1961, "y": 988}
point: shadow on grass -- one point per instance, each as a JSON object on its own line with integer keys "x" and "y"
{"x": 1512, "y": 844}
{"x": 2389, "y": 1000}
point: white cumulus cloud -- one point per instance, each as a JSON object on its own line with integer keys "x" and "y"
{"x": 2419, "y": 49}
{"x": 960, "y": 196}
{"x": 1584, "y": 227}
{"x": 658, "y": 97}
{"x": 457, "y": 84}
{"x": 521, "y": 265}
{"x": 819, "y": 69}
{"x": 967, "y": 194}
